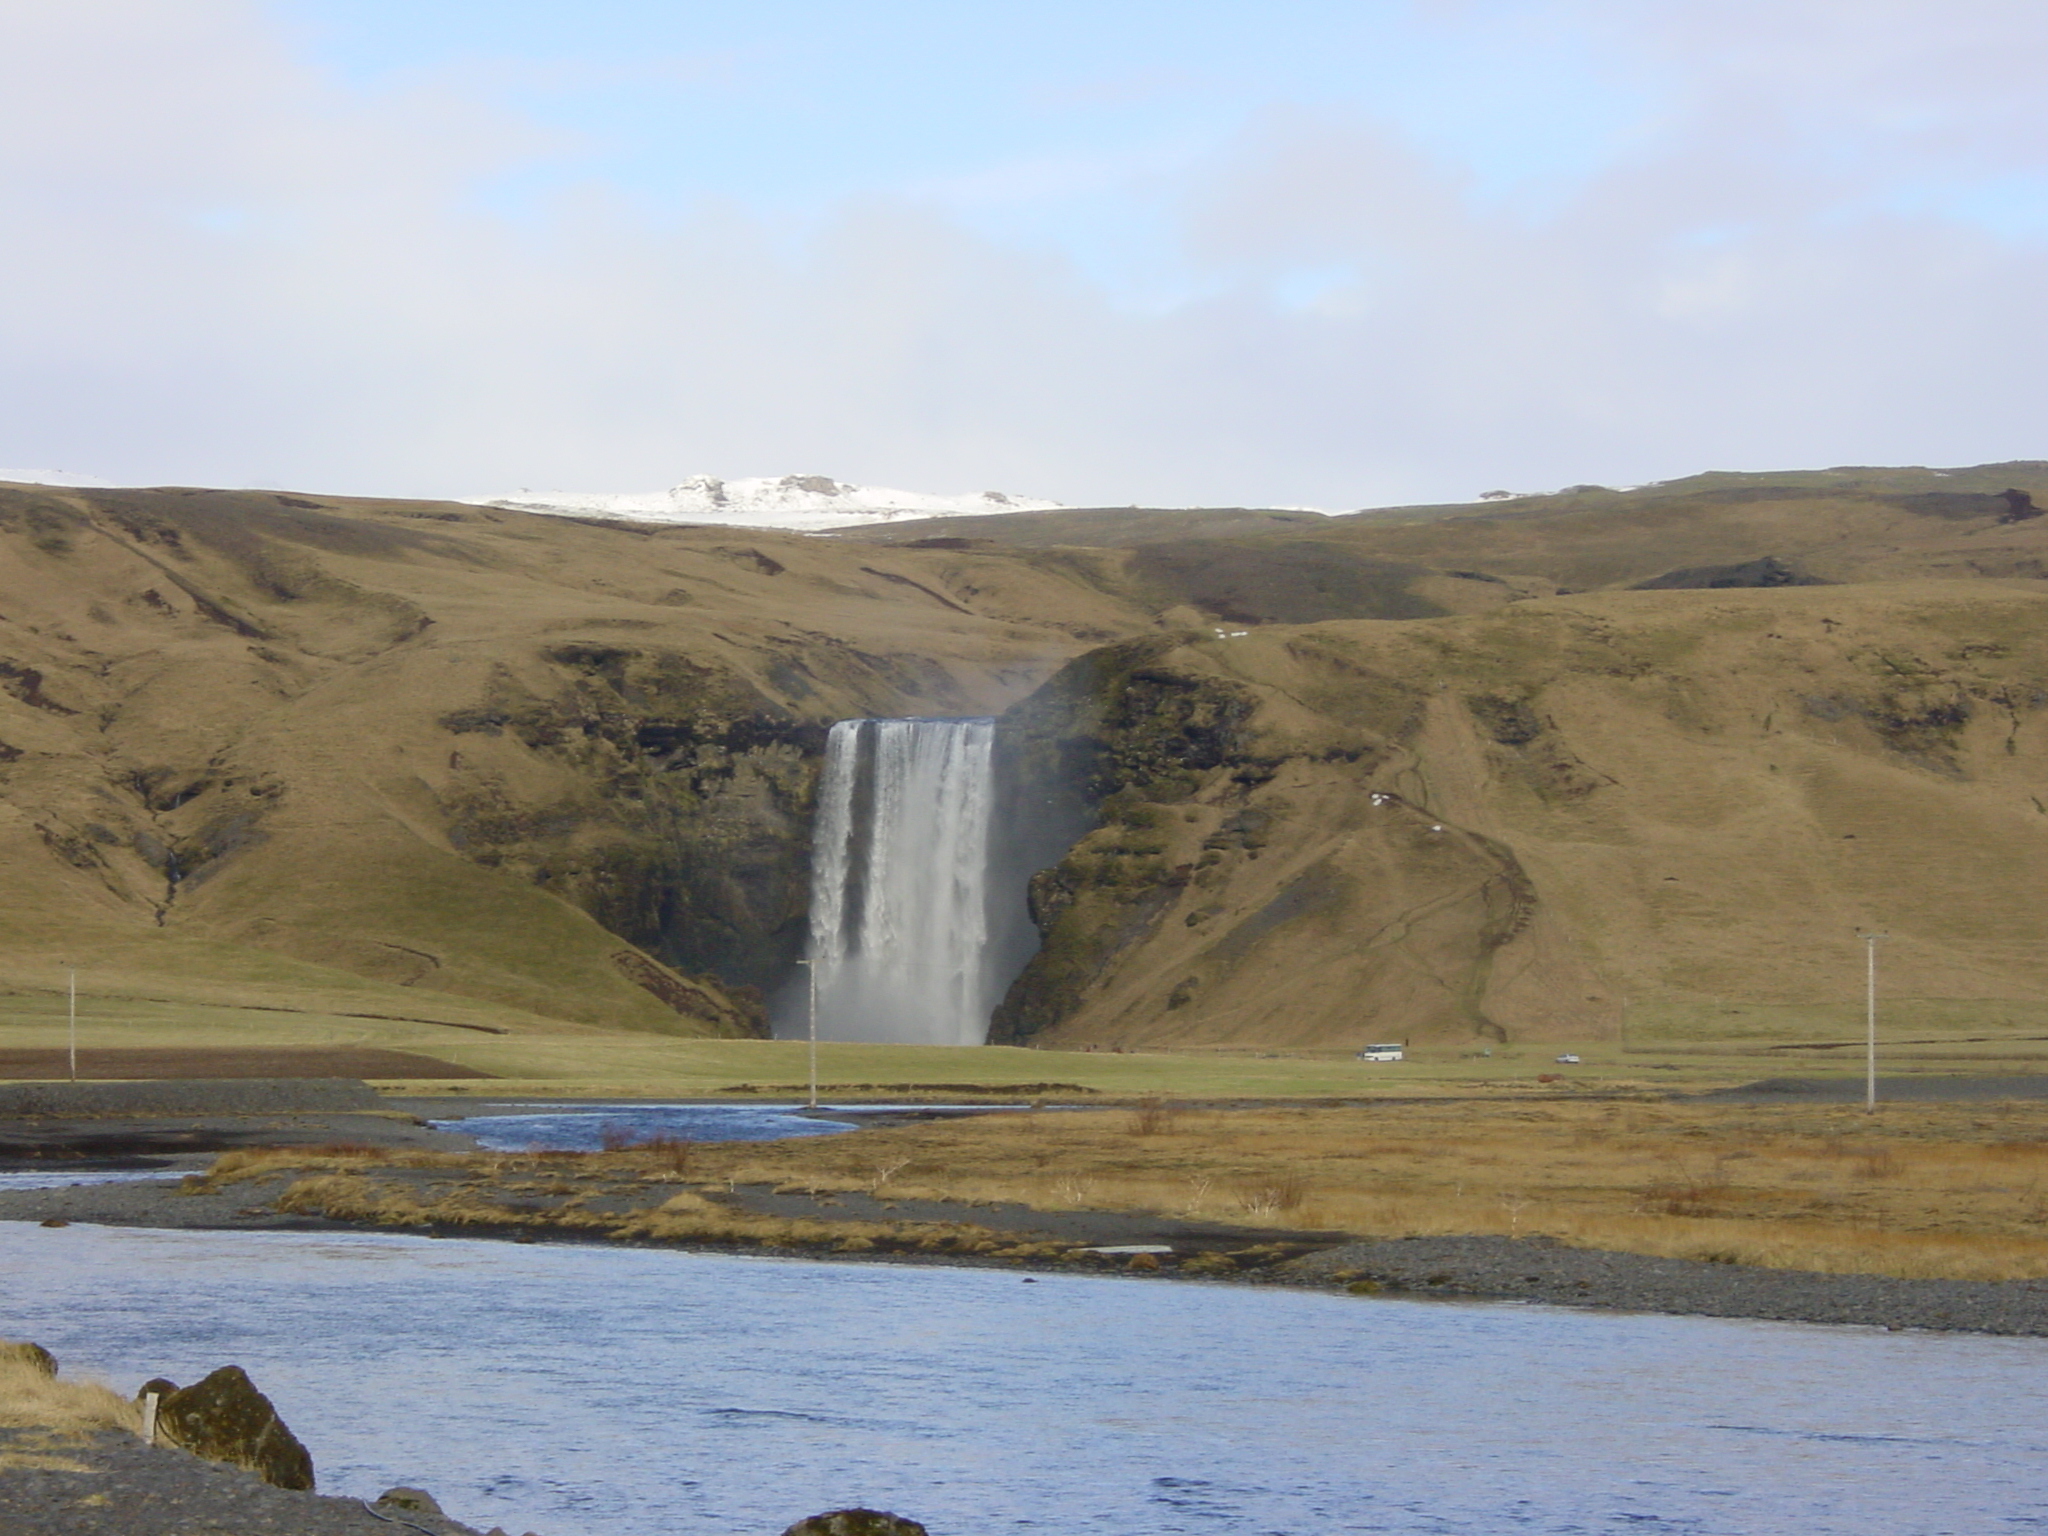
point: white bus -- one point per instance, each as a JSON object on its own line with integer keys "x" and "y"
{"x": 1381, "y": 1052}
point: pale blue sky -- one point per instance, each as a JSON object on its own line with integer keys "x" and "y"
{"x": 1064, "y": 123}
{"x": 1319, "y": 253}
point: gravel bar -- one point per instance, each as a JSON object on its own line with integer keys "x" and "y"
{"x": 190, "y": 1096}
{"x": 1541, "y": 1269}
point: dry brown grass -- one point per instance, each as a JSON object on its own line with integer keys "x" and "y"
{"x": 1933, "y": 1191}
{"x": 492, "y": 1192}
{"x": 670, "y": 1153}
{"x": 31, "y": 1398}
{"x": 1953, "y": 1191}
{"x": 265, "y": 1162}
{"x": 1152, "y": 1116}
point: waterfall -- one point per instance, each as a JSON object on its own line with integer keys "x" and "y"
{"x": 900, "y": 927}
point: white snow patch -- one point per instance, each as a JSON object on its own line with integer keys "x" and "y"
{"x": 798, "y": 503}
{"x": 55, "y": 477}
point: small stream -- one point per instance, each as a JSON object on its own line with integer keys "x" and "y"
{"x": 582, "y": 1391}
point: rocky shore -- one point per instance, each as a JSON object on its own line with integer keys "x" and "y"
{"x": 109, "y": 1483}
{"x": 209, "y": 1459}
{"x": 79, "y": 1459}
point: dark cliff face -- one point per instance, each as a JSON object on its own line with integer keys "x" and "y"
{"x": 689, "y": 824}
{"x": 681, "y": 814}
{"x": 1248, "y": 838}
{"x": 687, "y": 829}
{"x": 1109, "y": 742}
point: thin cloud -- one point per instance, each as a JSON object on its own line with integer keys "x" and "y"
{"x": 225, "y": 265}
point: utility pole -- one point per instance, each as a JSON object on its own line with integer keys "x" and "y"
{"x": 1870, "y": 943}
{"x": 73, "y": 1013}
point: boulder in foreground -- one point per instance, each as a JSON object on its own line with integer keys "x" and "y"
{"x": 224, "y": 1418}
{"x": 856, "y": 1522}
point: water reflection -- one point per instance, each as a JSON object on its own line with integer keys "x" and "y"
{"x": 591, "y": 1127}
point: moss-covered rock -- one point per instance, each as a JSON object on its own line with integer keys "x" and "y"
{"x": 224, "y": 1418}
{"x": 855, "y": 1522}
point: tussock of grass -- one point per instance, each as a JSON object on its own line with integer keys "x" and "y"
{"x": 265, "y": 1162}
{"x": 1153, "y": 1116}
{"x": 31, "y": 1397}
{"x": 685, "y": 1217}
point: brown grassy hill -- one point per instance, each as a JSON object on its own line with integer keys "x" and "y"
{"x": 496, "y": 769}
{"x": 1093, "y": 527}
{"x": 1837, "y": 526}
{"x": 1671, "y": 808}
{"x": 1824, "y": 525}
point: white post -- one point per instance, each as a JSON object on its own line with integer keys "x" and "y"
{"x": 149, "y": 1400}
{"x": 1870, "y": 943}
{"x": 74, "y": 1026}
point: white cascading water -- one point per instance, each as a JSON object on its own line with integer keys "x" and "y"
{"x": 899, "y": 939}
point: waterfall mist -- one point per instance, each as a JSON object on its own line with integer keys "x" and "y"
{"x": 901, "y": 937}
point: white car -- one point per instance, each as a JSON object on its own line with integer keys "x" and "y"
{"x": 1567, "y": 1060}
{"x": 1381, "y": 1053}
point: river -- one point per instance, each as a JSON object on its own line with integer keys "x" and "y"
{"x": 588, "y": 1391}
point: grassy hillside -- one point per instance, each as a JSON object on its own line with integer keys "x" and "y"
{"x": 1460, "y": 780}
{"x": 1659, "y": 814}
{"x": 1837, "y": 526}
{"x": 1231, "y": 567}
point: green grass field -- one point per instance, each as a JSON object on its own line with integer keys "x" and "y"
{"x": 1682, "y": 1050}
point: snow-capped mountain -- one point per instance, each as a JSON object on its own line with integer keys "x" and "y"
{"x": 800, "y": 503}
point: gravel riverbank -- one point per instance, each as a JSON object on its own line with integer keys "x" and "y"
{"x": 145, "y": 1124}
{"x": 1541, "y": 1270}
{"x": 1469, "y": 1268}
{"x": 109, "y": 1483}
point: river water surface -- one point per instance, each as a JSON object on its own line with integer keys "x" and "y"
{"x": 588, "y": 1128}
{"x": 587, "y": 1391}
